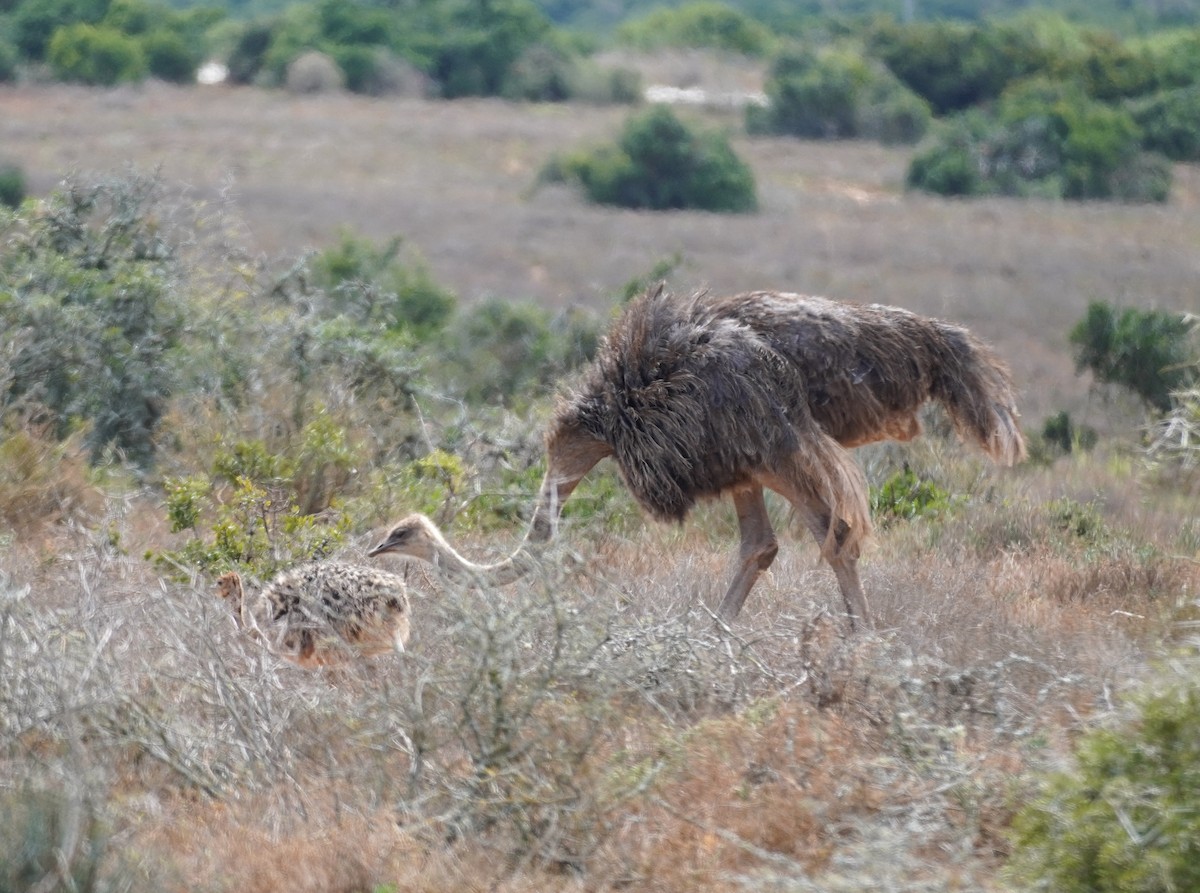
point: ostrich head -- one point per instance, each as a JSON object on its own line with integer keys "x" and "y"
{"x": 416, "y": 536}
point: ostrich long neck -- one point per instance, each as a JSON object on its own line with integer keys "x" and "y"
{"x": 569, "y": 458}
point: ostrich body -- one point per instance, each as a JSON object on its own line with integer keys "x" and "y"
{"x": 698, "y": 397}
{"x": 319, "y": 613}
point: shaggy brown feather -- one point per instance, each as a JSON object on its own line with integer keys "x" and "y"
{"x": 694, "y": 397}
{"x": 695, "y": 394}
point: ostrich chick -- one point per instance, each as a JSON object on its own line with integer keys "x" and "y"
{"x": 322, "y": 613}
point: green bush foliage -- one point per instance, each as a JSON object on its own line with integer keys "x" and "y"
{"x": 499, "y": 351}
{"x": 90, "y": 315}
{"x": 1060, "y": 435}
{"x": 838, "y": 94}
{"x": 34, "y": 22}
{"x": 96, "y": 55}
{"x": 170, "y": 57}
{"x": 660, "y": 163}
{"x": 954, "y": 65}
{"x": 1150, "y": 352}
{"x": 257, "y": 510}
{"x": 699, "y": 23}
{"x": 1043, "y": 139}
{"x": 247, "y": 59}
{"x": 1170, "y": 122}
{"x": 471, "y": 46}
{"x": 8, "y": 60}
{"x": 370, "y": 284}
{"x": 905, "y": 497}
{"x": 1124, "y": 817}
{"x": 12, "y": 185}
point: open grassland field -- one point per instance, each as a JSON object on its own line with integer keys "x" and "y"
{"x": 457, "y": 180}
{"x": 593, "y": 728}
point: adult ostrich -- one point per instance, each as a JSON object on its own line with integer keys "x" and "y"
{"x": 695, "y": 397}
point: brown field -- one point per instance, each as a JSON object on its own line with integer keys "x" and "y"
{"x": 593, "y": 730}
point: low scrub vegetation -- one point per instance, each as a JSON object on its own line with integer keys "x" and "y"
{"x": 595, "y": 726}
{"x": 1121, "y": 817}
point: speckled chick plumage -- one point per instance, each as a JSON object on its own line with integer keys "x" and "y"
{"x": 325, "y": 612}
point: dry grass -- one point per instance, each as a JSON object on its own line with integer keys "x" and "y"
{"x": 456, "y": 181}
{"x": 595, "y": 729}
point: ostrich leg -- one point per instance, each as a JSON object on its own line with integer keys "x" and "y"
{"x": 844, "y": 561}
{"x": 841, "y": 550}
{"x": 756, "y": 553}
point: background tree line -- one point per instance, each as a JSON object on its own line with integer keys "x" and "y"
{"x": 1033, "y": 104}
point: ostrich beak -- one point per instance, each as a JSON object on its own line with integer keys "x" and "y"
{"x": 384, "y": 545}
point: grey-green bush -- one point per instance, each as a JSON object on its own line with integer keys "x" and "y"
{"x": 12, "y": 185}
{"x": 838, "y": 94}
{"x": 1043, "y": 139}
{"x": 89, "y": 314}
{"x": 1124, "y": 818}
{"x": 1150, "y": 352}
{"x": 1170, "y": 122}
{"x": 660, "y": 163}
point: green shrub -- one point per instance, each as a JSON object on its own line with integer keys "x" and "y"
{"x": 8, "y": 61}
{"x": 248, "y": 56}
{"x": 259, "y": 510}
{"x": 500, "y": 350}
{"x": 472, "y": 46}
{"x": 660, "y": 163}
{"x": 360, "y": 66}
{"x": 1060, "y": 434}
{"x": 1124, "y": 817}
{"x": 34, "y": 23}
{"x": 906, "y": 497}
{"x": 951, "y": 163}
{"x": 12, "y": 185}
{"x": 90, "y": 315}
{"x": 136, "y": 17}
{"x": 699, "y": 23}
{"x": 1114, "y": 70}
{"x": 170, "y": 57}
{"x": 1150, "y": 352}
{"x": 95, "y": 55}
{"x": 370, "y": 284}
{"x": 1170, "y": 123}
{"x": 952, "y": 65}
{"x": 1043, "y": 139}
{"x": 837, "y": 94}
